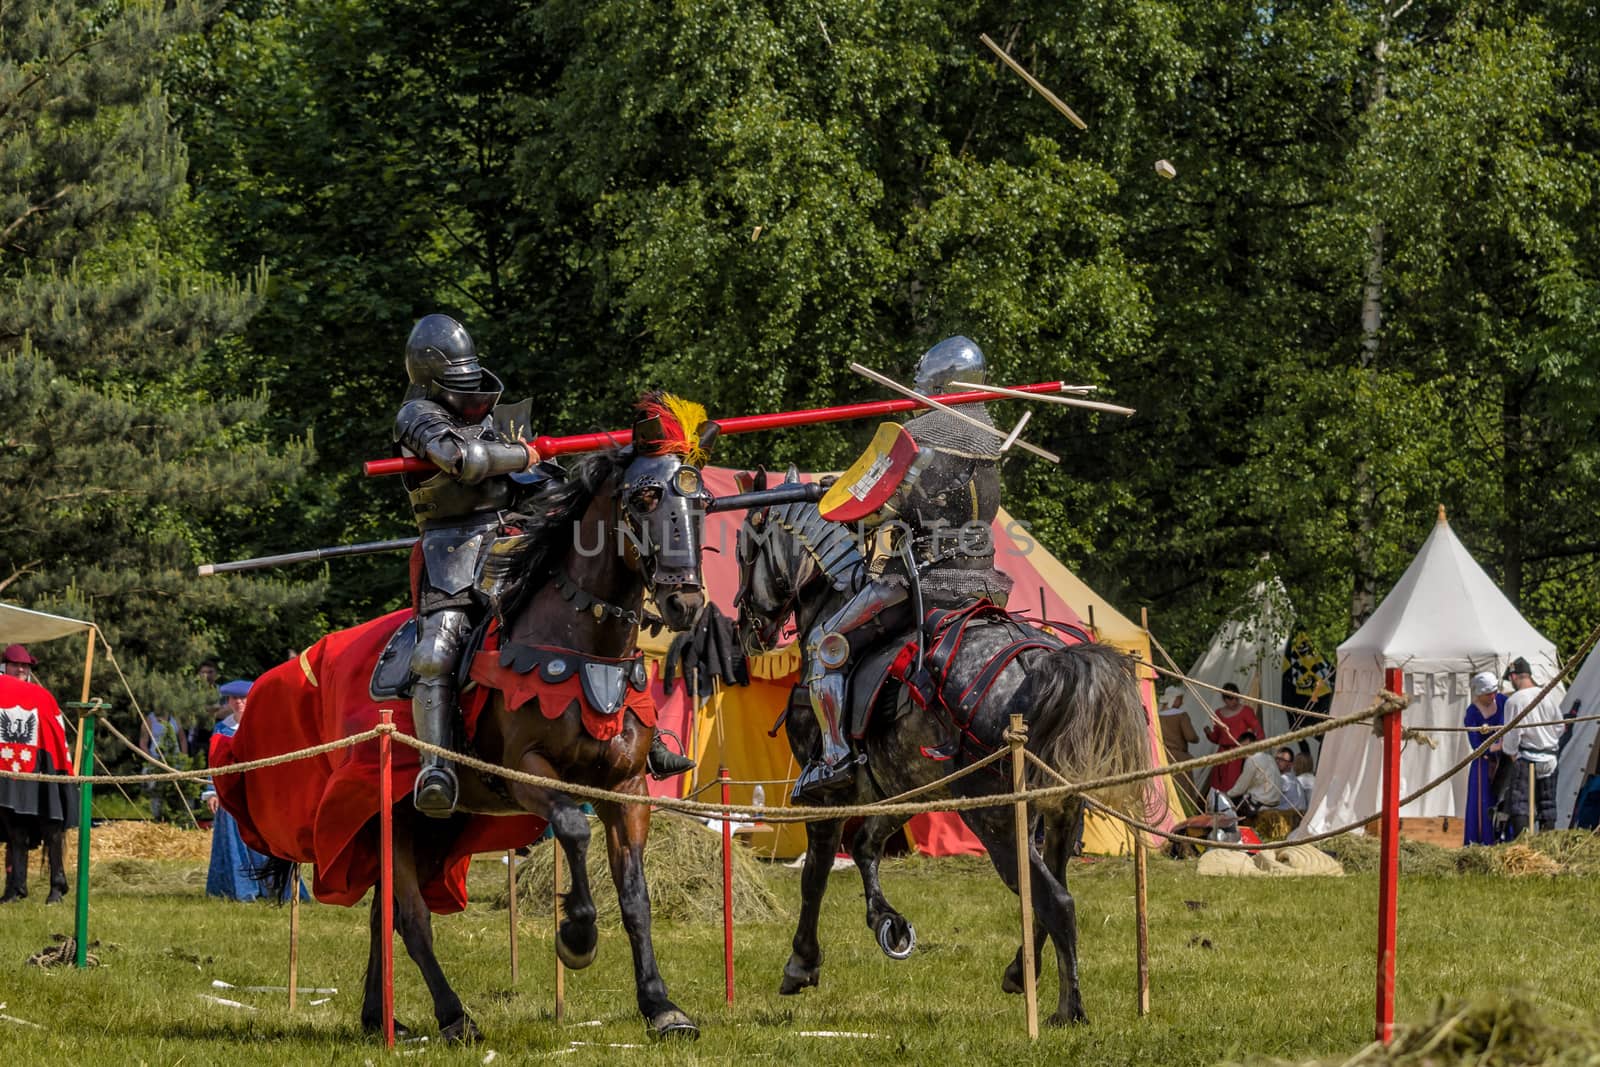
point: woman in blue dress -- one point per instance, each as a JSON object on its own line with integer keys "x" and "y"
{"x": 233, "y": 863}
{"x": 1484, "y": 717}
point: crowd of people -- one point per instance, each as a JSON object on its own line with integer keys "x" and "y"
{"x": 1517, "y": 768}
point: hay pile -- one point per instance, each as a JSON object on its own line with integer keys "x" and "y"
{"x": 138, "y": 839}
{"x": 1489, "y": 1032}
{"x": 147, "y": 877}
{"x": 1572, "y": 852}
{"x": 683, "y": 865}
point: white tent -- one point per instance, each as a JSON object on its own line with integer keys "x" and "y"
{"x": 1582, "y": 750}
{"x": 1247, "y": 650}
{"x": 1442, "y": 622}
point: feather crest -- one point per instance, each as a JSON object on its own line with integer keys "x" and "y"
{"x": 681, "y": 421}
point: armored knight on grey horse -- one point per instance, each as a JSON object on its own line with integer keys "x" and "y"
{"x": 447, "y": 418}
{"x": 927, "y": 492}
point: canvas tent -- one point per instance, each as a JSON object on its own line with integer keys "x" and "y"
{"x": 1580, "y": 756}
{"x": 733, "y": 729}
{"x": 1246, "y": 650}
{"x": 22, "y": 626}
{"x": 1442, "y": 622}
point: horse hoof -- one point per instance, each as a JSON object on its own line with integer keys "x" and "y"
{"x": 675, "y": 1024}
{"x": 797, "y": 977}
{"x": 461, "y": 1032}
{"x": 1012, "y": 982}
{"x": 577, "y": 945}
{"x": 54, "y": 897}
{"x": 1065, "y": 1019}
{"x": 896, "y": 937}
{"x": 400, "y": 1029}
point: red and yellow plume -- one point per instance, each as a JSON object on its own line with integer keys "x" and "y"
{"x": 666, "y": 424}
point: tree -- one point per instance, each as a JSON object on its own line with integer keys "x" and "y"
{"x": 125, "y": 456}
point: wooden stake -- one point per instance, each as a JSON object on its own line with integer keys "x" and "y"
{"x": 1141, "y": 908}
{"x": 727, "y": 888}
{"x": 561, "y": 968}
{"x": 511, "y": 890}
{"x": 1034, "y": 83}
{"x": 1030, "y": 981}
{"x": 294, "y": 935}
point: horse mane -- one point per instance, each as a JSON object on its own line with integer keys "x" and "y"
{"x": 549, "y": 517}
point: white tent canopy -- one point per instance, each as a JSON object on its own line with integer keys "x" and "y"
{"x": 20, "y": 626}
{"x": 1246, "y": 650}
{"x": 1442, "y": 622}
{"x": 1583, "y": 744}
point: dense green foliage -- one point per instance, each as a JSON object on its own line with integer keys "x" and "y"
{"x": 1242, "y": 970}
{"x": 1372, "y": 287}
{"x": 127, "y": 448}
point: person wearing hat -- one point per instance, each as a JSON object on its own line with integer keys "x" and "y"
{"x": 18, "y": 663}
{"x": 1533, "y": 744}
{"x": 1483, "y": 718}
{"x": 230, "y": 875}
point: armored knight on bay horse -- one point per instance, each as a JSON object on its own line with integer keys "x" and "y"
{"x": 926, "y": 494}
{"x": 448, "y": 419}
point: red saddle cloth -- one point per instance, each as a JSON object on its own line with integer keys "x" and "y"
{"x": 320, "y": 809}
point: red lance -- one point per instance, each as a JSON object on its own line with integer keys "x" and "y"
{"x": 777, "y": 420}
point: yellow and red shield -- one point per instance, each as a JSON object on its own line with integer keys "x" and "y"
{"x": 873, "y": 478}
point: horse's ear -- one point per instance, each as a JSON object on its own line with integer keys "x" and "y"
{"x": 761, "y": 478}
{"x": 744, "y": 481}
{"x": 791, "y": 475}
{"x": 708, "y": 435}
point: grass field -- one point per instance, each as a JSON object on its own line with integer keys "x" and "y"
{"x": 1242, "y": 969}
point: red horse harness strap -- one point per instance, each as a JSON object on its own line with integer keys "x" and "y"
{"x": 560, "y": 677}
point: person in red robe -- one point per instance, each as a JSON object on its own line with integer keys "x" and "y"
{"x": 1232, "y": 720}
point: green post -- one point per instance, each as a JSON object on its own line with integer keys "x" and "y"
{"x": 85, "y": 768}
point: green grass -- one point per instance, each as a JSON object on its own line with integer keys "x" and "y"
{"x": 1253, "y": 969}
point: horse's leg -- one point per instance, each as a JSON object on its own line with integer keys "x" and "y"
{"x": 822, "y": 843}
{"x": 895, "y": 935}
{"x": 1052, "y": 904}
{"x": 1060, "y": 831}
{"x": 16, "y": 860}
{"x": 54, "y": 832}
{"x": 372, "y": 992}
{"x": 577, "y": 939}
{"x": 415, "y": 924}
{"x": 627, "y": 827}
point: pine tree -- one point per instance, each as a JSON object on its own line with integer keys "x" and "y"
{"x": 123, "y": 456}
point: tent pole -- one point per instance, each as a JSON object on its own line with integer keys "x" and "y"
{"x": 1141, "y": 902}
{"x": 1389, "y": 860}
{"x": 88, "y": 673}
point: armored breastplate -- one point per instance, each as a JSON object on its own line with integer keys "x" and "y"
{"x": 438, "y": 499}
{"x": 957, "y": 495}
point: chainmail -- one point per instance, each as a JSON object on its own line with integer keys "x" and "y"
{"x": 943, "y": 431}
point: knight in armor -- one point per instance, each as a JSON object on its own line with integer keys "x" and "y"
{"x": 447, "y": 419}
{"x": 933, "y": 547}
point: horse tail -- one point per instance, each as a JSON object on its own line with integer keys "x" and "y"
{"x": 276, "y": 876}
{"x": 1087, "y": 721}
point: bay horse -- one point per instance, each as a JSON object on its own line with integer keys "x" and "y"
{"x": 622, "y": 522}
{"x": 1080, "y": 701}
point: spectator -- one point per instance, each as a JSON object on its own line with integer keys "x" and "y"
{"x": 163, "y": 738}
{"x": 1177, "y": 734}
{"x": 1303, "y": 773}
{"x": 1257, "y": 787}
{"x": 232, "y": 861}
{"x": 19, "y": 664}
{"x": 1533, "y": 745}
{"x": 1483, "y": 717}
{"x": 1234, "y": 717}
{"x": 205, "y": 722}
{"x": 1294, "y": 795}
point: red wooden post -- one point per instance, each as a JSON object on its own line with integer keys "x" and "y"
{"x": 1389, "y": 862}
{"x": 727, "y": 888}
{"x": 386, "y": 873}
